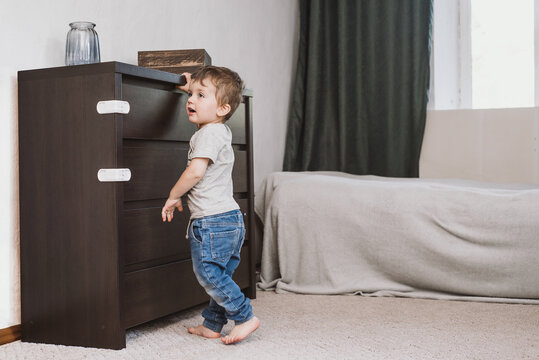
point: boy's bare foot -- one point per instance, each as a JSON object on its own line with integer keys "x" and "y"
{"x": 240, "y": 332}
{"x": 201, "y": 330}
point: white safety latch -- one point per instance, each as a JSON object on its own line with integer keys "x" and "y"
{"x": 113, "y": 106}
{"x": 108, "y": 175}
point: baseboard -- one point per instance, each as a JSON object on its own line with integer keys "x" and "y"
{"x": 10, "y": 334}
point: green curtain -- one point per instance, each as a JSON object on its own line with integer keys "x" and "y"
{"x": 361, "y": 89}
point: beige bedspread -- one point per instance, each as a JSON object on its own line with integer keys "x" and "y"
{"x": 335, "y": 233}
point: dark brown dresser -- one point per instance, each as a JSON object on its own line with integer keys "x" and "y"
{"x": 96, "y": 257}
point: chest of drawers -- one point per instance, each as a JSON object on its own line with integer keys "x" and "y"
{"x": 96, "y": 257}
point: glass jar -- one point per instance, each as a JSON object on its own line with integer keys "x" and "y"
{"x": 82, "y": 44}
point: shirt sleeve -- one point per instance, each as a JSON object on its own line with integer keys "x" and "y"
{"x": 208, "y": 144}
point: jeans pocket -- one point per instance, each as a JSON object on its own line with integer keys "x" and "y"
{"x": 194, "y": 232}
{"x": 223, "y": 244}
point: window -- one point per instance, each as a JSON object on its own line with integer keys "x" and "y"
{"x": 483, "y": 54}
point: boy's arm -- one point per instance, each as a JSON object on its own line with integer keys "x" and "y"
{"x": 189, "y": 178}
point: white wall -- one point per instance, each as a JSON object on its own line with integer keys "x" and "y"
{"x": 496, "y": 145}
{"x": 258, "y": 39}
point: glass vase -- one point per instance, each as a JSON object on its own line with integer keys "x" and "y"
{"x": 82, "y": 44}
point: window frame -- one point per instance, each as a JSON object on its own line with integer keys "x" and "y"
{"x": 451, "y": 50}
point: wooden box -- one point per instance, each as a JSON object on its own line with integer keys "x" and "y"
{"x": 174, "y": 61}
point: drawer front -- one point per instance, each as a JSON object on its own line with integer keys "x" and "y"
{"x": 244, "y": 207}
{"x": 148, "y": 239}
{"x": 239, "y": 172}
{"x": 157, "y": 112}
{"x": 237, "y": 124}
{"x": 162, "y": 290}
{"x": 156, "y": 167}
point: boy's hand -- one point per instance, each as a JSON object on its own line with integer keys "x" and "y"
{"x": 167, "y": 213}
{"x": 188, "y": 80}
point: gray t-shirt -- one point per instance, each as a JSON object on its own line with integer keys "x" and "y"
{"x": 213, "y": 193}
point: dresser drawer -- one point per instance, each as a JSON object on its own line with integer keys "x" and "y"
{"x": 155, "y": 168}
{"x": 161, "y": 290}
{"x": 147, "y": 239}
{"x": 244, "y": 208}
{"x": 157, "y": 165}
{"x": 157, "y": 112}
{"x": 237, "y": 124}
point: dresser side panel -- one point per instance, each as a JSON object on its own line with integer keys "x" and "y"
{"x": 68, "y": 218}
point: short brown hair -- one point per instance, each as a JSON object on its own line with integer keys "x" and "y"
{"x": 228, "y": 84}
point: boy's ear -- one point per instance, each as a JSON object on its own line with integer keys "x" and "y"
{"x": 223, "y": 110}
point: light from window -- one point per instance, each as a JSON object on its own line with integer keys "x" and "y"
{"x": 502, "y": 42}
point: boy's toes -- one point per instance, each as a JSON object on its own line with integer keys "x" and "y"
{"x": 240, "y": 332}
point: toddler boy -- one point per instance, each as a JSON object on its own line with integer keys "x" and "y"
{"x": 216, "y": 231}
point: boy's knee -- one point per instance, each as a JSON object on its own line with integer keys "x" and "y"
{"x": 207, "y": 275}
{"x": 201, "y": 275}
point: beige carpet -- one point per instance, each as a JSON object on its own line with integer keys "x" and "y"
{"x": 332, "y": 327}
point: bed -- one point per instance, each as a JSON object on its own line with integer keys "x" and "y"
{"x": 336, "y": 233}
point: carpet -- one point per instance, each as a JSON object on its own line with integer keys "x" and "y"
{"x": 331, "y": 327}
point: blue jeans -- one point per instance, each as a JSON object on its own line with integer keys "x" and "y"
{"x": 216, "y": 242}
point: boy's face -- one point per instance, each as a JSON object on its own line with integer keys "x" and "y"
{"x": 202, "y": 107}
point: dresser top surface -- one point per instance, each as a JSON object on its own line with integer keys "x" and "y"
{"x": 104, "y": 67}
{"x": 99, "y": 68}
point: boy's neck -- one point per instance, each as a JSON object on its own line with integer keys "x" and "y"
{"x": 218, "y": 121}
